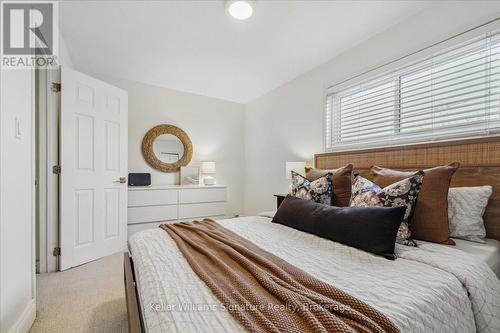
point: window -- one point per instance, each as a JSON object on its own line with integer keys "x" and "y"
{"x": 451, "y": 94}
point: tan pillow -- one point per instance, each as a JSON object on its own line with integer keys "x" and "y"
{"x": 341, "y": 181}
{"x": 430, "y": 221}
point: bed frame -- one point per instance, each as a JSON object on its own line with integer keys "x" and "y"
{"x": 134, "y": 313}
{"x": 480, "y": 165}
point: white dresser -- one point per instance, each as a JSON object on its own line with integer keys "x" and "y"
{"x": 150, "y": 206}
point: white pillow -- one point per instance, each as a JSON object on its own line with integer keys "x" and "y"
{"x": 466, "y": 206}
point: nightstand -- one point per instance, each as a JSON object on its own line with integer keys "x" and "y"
{"x": 279, "y": 199}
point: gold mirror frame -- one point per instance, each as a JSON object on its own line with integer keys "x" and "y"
{"x": 155, "y": 162}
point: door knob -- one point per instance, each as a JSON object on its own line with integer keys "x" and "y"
{"x": 122, "y": 180}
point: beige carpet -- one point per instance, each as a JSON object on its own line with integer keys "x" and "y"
{"x": 88, "y": 298}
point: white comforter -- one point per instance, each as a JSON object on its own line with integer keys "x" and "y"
{"x": 427, "y": 289}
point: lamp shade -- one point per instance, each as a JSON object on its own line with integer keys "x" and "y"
{"x": 208, "y": 168}
{"x": 298, "y": 167}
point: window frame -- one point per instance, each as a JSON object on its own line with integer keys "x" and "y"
{"x": 415, "y": 63}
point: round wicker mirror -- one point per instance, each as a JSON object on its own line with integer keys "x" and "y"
{"x": 166, "y": 148}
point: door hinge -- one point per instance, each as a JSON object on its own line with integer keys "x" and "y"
{"x": 56, "y": 169}
{"x": 56, "y": 252}
{"x": 56, "y": 87}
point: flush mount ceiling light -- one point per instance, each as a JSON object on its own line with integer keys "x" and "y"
{"x": 239, "y": 9}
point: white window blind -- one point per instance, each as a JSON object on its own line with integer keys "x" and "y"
{"x": 451, "y": 94}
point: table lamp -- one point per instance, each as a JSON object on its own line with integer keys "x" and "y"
{"x": 208, "y": 168}
{"x": 298, "y": 167}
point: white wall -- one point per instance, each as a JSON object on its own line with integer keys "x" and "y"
{"x": 287, "y": 123}
{"x": 17, "y": 284}
{"x": 64, "y": 57}
{"x": 214, "y": 126}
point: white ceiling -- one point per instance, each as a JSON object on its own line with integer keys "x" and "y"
{"x": 193, "y": 46}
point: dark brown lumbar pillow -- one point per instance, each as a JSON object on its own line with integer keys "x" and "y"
{"x": 371, "y": 229}
{"x": 341, "y": 180}
{"x": 430, "y": 221}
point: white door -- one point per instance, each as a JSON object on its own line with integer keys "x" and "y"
{"x": 93, "y": 198}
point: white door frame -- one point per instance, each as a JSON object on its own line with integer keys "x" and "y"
{"x": 33, "y": 192}
{"x": 48, "y": 182}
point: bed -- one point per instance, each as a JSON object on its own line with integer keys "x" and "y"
{"x": 432, "y": 288}
{"x": 488, "y": 252}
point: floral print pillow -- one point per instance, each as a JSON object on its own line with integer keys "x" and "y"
{"x": 319, "y": 190}
{"x": 403, "y": 193}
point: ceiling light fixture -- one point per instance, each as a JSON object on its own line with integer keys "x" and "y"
{"x": 239, "y": 9}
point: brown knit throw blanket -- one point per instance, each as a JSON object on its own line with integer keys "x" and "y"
{"x": 266, "y": 293}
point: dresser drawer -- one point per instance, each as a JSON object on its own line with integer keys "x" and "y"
{"x": 202, "y": 195}
{"x": 151, "y": 214}
{"x": 152, "y": 197}
{"x": 200, "y": 210}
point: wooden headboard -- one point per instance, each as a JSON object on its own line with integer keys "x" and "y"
{"x": 479, "y": 159}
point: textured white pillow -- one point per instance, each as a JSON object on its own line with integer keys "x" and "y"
{"x": 466, "y": 206}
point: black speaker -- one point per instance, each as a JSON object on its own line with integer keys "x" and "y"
{"x": 139, "y": 179}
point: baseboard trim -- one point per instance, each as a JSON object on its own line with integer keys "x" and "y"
{"x": 26, "y": 319}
